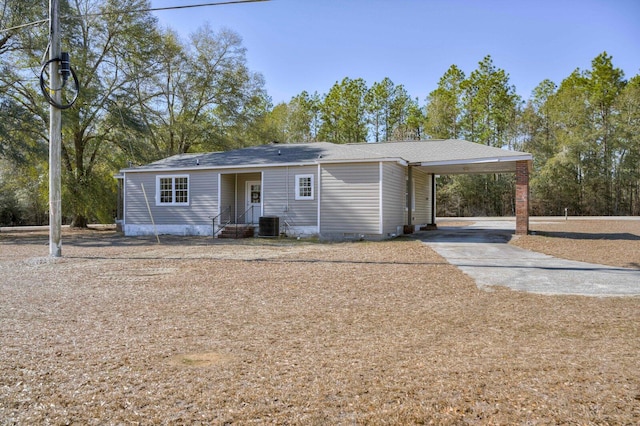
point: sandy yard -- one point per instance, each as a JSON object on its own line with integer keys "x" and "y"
{"x": 192, "y": 331}
{"x": 614, "y": 242}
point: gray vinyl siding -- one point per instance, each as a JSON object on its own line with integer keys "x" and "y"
{"x": 422, "y": 197}
{"x": 393, "y": 196}
{"x": 279, "y": 195}
{"x": 227, "y": 197}
{"x": 203, "y": 189}
{"x": 274, "y": 192}
{"x": 135, "y": 207}
{"x": 350, "y": 198}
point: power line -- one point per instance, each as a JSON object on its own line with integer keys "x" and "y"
{"x": 17, "y": 27}
{"x": 187, "y": 6}
{"x": 124, "y": 12}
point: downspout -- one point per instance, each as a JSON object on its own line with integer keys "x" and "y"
{"x": 286, "y": 207}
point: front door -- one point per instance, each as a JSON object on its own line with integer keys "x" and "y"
{"x": 254, "y": 201}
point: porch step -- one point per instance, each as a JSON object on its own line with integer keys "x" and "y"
{"x": 237, "y": 231}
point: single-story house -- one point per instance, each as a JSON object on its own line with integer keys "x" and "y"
{"x": 334, "y": 191}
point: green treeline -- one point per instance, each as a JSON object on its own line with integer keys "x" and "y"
{"x": 584, "y": 134}
{"x": 146, "y": 94}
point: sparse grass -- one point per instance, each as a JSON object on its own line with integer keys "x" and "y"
{"x": 607, "y": 242}
{"x": 125, "y": 331}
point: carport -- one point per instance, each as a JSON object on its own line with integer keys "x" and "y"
{"x": 453, "y": 158}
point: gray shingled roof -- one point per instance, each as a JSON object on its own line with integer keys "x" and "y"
{"x": 431, "y": 152}
{"x": 441, "y": 150}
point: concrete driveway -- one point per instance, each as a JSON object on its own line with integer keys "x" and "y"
{"x": 481, "y": 250}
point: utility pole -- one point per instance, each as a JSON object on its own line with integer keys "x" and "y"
{"x": 55, "y": 135}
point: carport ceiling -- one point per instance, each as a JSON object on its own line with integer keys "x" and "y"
{"x": 450, "y": 156}
{"x": 478, "y": 166}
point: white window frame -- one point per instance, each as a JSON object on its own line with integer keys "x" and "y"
{"x": 173, "y": 190}
{"x": 298, "y": 187}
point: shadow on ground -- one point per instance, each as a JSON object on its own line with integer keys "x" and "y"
{"x": 465, "y": 235}
{"x": 589, "y": 236}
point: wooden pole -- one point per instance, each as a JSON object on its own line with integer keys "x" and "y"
{"x": 55, "y": 136}
{"x": 153, "y": 222}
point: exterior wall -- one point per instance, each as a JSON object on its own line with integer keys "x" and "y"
{"x": 393, "y": 197}
{"x": 353, "y": 200}
{"x": 395, "y": 184}
{"x": 148, "y": 229}
{"x": 203, "y": 190}
{"x": 422, "y": 201}
{"x": 227, "y": 194}
{"x": 279, "y": 199}
{"x": 350, "y": 200}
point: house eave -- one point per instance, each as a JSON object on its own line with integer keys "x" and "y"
{"x": 258, "y": 166}
{"x": 202, "y": 167}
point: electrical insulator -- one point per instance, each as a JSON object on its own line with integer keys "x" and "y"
{"x": 65, "y": 67}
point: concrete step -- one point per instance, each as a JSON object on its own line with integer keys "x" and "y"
{"x": 237, "y": 231}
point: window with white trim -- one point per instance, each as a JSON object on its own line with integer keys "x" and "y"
{"x": 172, "y": 190}
{"x": 304, "y": 187}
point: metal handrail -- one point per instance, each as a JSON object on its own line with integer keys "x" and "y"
{"x": 243, "y": 216}
{"x": 286, "y": 224}
{"x": 229, "y": 221}
{"x": 214, "y": 218}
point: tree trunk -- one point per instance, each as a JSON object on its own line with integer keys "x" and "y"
{"x": 79, "y": 221}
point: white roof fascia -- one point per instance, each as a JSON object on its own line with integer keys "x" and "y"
{"x": 477, "y": 161}
{"x": 369, "y": 160}
{"x": 196, "y": 168}
{"x": 267, "y": 165}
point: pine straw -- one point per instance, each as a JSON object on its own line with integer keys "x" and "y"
{"x": 608, "y": 242}
{"x": 125, "y": 331}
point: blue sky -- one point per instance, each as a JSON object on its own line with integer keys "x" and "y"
{"x": 310, "y": 44}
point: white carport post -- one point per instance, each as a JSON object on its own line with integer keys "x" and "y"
{"x": 433, "y": 225}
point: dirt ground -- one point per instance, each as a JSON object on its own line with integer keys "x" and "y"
{"x": 192, "y": 331}
{"x": 608, "y": 242}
